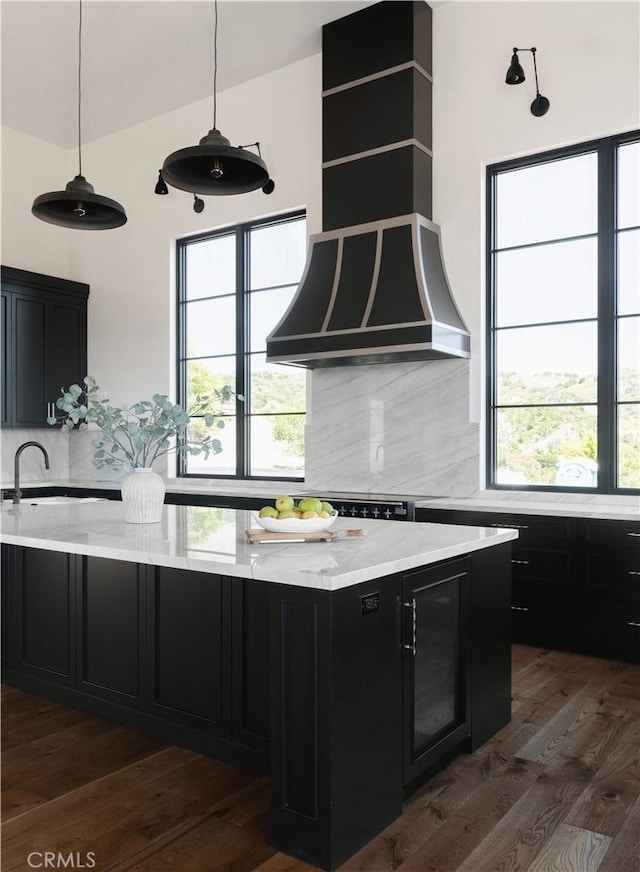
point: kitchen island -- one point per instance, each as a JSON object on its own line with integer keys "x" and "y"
{"x": 347, "y": 670}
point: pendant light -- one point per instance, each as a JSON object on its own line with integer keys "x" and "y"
{"x": 214, "y": 166}
{"x": 78, "y": 206}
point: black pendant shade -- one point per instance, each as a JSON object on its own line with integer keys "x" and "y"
{"x": 515, "y": 73}
{"x": 79, "y": 208}
{"x": 214, "y": 166}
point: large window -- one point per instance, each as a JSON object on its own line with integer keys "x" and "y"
{"x": 564, "y": 318}
{"x": 233, "y": 287}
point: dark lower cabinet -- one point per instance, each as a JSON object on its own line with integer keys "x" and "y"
{"x": 435, "y": 671}
{"x": 251, "y": 642}
{"x": 45, "y": 604}
{"x": 576, "y": 581}
{"x": 110, "y": 605}
{"x": 189, "y": 648}
{"x": 6, "y": 630}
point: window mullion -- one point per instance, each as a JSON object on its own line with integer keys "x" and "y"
{"x": 241, "y": 333}
{"x": 607, "y": 454}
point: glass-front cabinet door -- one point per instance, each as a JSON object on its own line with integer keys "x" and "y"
{"x": 436, "y": 710}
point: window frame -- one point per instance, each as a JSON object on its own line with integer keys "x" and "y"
{"x": 606, "y": 235}
{"x": 242, "y": 234}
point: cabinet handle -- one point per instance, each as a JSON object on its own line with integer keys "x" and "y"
{"x": 633, "y": 623}
{"x": 633, "y": 572}
{"x": 414, "y": 621}
{"x": 519, "y": 609}
{"x": 633, "y": 534}
{"x": 517, "y": 526}
{"x": 522, "y": 562}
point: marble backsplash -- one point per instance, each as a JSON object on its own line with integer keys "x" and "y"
{"x": 394, "y": 428}
{"x": 31, "y": 460}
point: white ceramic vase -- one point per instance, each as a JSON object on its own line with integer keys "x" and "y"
{"x": 143, "y": 496}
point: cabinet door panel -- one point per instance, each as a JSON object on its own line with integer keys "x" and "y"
{"x": 251, "y": 683}
{"x": 68, "y": 348}
{"x": 5, "y": 352}
{"x": 611, "y": 631}
{"x": 110, "y": 627}
{"x": 29, "y": 320}
{"x": 190, "y": 648}
{"x": 45, "y": 604}
{"x": 613, "y": 576}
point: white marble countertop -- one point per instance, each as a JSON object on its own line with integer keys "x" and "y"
{"x": 213, "y": 540}
{"x": 629, "y": 510}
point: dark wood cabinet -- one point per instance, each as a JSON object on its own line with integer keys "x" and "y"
{"x": 44, "y": 334}
{"x": 44, "y": 582}
{"x": 110, "y": 629}
{"x": 251, "y": 640}
{"x": 575, "y": 581}
{"x": 189, "y": 648}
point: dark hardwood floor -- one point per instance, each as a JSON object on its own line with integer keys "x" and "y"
{"x": 557, "y": 790}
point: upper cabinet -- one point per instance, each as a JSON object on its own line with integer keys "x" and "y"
{"x": 44, "y": 343}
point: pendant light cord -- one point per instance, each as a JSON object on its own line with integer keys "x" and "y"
{"x": 79, "y": 90}
{"x": 215, "y": 58}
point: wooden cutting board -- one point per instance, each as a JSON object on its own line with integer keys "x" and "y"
{"x": 255, "y": 536}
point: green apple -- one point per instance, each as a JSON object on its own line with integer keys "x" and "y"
{"x": 310, "y": 504}
{"x": 306, "y": 516}
{"x": 328, "y": 508}
{"x": 284, "y": 503}
{"x": 268, "y": 512}
{"x": 287, "y": 513}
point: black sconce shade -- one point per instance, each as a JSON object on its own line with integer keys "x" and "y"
{"x": 515, "y": 73}
{"x": 161, "y": 187}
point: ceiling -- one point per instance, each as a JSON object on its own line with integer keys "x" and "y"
{"x": 142, "y": 58}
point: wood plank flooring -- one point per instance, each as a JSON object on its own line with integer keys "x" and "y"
{"x": 556, "y": 790}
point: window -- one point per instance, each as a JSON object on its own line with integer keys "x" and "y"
{"x": 233, "y": 287}
{"x": 563, "y": 280}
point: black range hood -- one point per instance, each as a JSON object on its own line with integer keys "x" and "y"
{"x": 374, "y": 289}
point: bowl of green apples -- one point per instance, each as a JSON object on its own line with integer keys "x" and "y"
{"x": 308, "y": 515}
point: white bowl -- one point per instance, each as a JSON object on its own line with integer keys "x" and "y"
{"x": 296, "y": 525}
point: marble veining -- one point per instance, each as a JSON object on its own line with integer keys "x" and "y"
{"x": 31, "y": 461}
{"x": 393, "y": 428}
{"x": 213, "y": 540}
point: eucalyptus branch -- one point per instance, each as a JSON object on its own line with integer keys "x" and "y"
{"x": 141, "y": 433}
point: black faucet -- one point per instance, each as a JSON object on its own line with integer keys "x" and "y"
{"x": 17, "y": 493}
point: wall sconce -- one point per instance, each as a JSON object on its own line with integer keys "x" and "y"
{"x": 515, "y": 76}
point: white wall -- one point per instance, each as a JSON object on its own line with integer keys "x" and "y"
{"x": 31, "y": 167}
{"x": 589, "y": 69}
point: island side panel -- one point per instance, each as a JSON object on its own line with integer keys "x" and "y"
{"x": 490, "y": 631}
{"x": 336, "y": 762}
